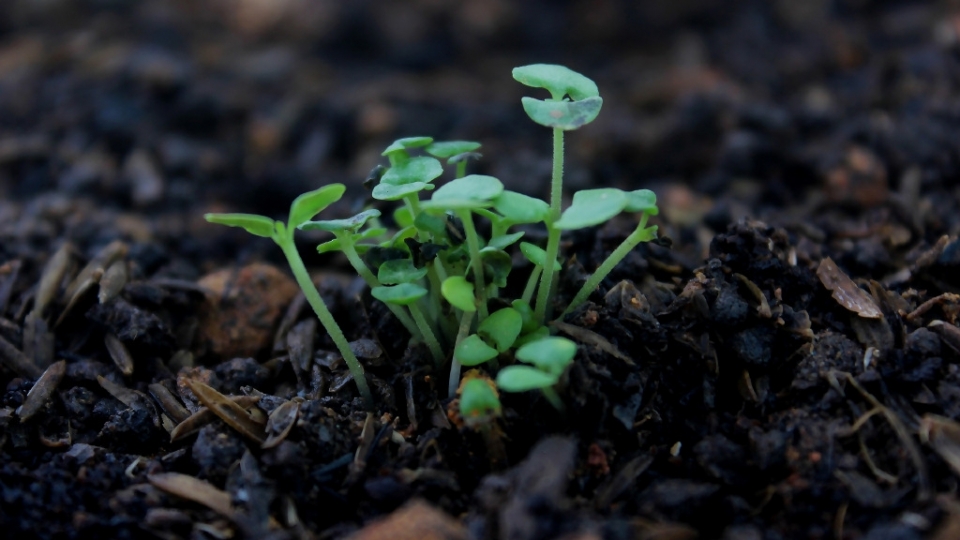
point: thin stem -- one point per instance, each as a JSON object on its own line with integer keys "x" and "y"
{"x": 413, "y": 203}
{"x": 474, "y": 246}
{"x": 454, "y": 383}
{"x": 553, "y": 398}
{"x": 637, "y": 236}
{"x": 553, "y": 238}
{"x": 431, "y": 339}
{"x": 326, "y": 318}
{"x": 531, "y": 284}
{"x": 461, "y": 169}
{"x": 348, "y": 248}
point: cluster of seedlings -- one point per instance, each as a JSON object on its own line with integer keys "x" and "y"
{"x": 439, "y": 276}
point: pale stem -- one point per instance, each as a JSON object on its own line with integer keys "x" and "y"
{"x": 454, "y": 383}
{"x": 431, "y": 339}
{"x": 346, "y": 245}
{"x": 473, "y": 244}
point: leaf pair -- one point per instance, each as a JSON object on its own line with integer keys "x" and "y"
{"x": 302, "y": 209}
{"x": 575, "y": 99}
{"x": 595, "y": 206}
{"x": 549, "y": 358}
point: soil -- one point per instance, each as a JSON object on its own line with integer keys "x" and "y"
{"x": 785, "y": 363}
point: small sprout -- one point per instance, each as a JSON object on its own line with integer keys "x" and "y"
{"x": 313, "y": 202}
{"x": 551, "y": 354}
{"x": 592, "y": 207}
{"x": 562, "y": 83}
{"x": 524, "y": 379}
{"x": 252, "y": 223}
{"x": 501, "y": 328}
{"x": 449, "y": 149}
{"x": 400, "y": 271}
{"x": 479, "y": 402}
{"x": 537, "y": 256}
{"x": 459, "y": 292}
{"x": 473, "y": 351}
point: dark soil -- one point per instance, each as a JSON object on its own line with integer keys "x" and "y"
{"x": 787, "y": 369}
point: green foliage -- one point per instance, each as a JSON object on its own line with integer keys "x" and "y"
{"x": 441, "y": 263}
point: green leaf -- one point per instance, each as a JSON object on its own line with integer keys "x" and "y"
{"x": 406, "y": 143}
{"x": 471, "y": 191}
{"x": 529, "y": 322}
{"x": 403, "y": 217}
{"x": 502, "y": 242}
{"x": 592, "y": 207}
{"x": 501, "y": 328}
{"x": 565, "y": 115}
{"x": 472, "y": 351}
{"x": 401, "y": 295}
{"x": 399, "y": 271}
{"x": 311, "y": 203}
{"x": 459, "y": 292}
{"x": 252, "y": 223}
{"x": 463, "y": 157}
{"x": 529, "y": 337}
{"x": 642, "y": 200}
{"x": 397, "y": 241}
{"x": 496, "y": 266}
{"x": 550, "y": 354}
{"x": 350, "y": 224}
{"x": 559, "y": 80}
{"x": 437, "y": 226}
{"x": 537, "y": 256}
{"x": 418, "y": 169}
{"x": 649, "y": 233}
{"x": 390, "y": 192}
{"x": 524, "y": 378}
{"x": 520, "y": 208}
{"x": 448, "y": 149}
{"x": 478, "y": 401}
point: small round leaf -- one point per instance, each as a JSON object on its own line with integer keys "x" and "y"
{"x": 559, "y": 80}
{"x": 402, "y": 295}
{"x": 448, "y": 149}
{"x": 459, "y": 292}
{"x": 592, "y": 207}
{"x": 550, "y": 354}
{"x": 390, "y": 192}
{"x": 399, "y": 271}
{"x": 501, "y": 328}
{"x": 524, "y": 378}
{"x": 418, "y": 169}
{"x": 642, "y": 200}
{"x": 467, "y": 192}
{"x": 565, "y": 115}
{"x": 350, "y": 224}
{"x": 537, "y": 256}
{"x": 311, "y": 203}
{"x": 406, "y": 143}
{"x": 252, "y": 223}
{"x": 519, "y": 208}
{"x": 472, "y": 351}
{"x": 478, "y": 401}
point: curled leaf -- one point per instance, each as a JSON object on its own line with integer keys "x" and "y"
{"x": 253, "y": 224}
{"x": 473, "y": 351}
{"x": 561, "y": 81}
{"x": 564, "y": 115}
{"x": 313, "y": 202}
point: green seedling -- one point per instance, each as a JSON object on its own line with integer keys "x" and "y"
{"x": 590, "y": 204}
{"x": 460, "y": 294}
{"x": 539, "y": 259}
{"x": 456, "y": 153}
{"x": 550, "y": 357}
{"x": 574, "y": 102}
{"x": 407, "y": 294}
{"x": 302, "y": 209}
{"x": 479, "y": 403}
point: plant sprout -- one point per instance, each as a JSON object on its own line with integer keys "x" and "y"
{"x": 303, "y": 208}
{"x": 456, "y": 153}
{"x": 550, "y": 357}
{"x": 407, "y": 294}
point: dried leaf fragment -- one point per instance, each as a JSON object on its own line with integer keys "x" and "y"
{"x": 193, "y": 422}
{"x": 227, "y": 410}
{"x": 119, "y": 353}
{"x": 280, "y": 422}
{"x": 42, "y": 390}
{"x": 196, "y": 490}
{"x": 11, "y": 357}
{"x": 845, "y": 291}
{"x": 943, "y": 435}
{"x": 113, "y": 281}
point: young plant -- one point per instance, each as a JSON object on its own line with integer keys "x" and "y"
{"x": 574, "y": 102}
{"x": 549, "y": 358}
{"x": 303, "y": 208}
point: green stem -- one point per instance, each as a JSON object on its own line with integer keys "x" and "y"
{"x": 431, "y": 339}
{"x": 346, "y": 245}
{"x": 637, "y": 236}
{"x": 473, "y": 244}
{"x": 465, "y": 322}
{"x": 553, "y": 398}
{"x": 326, "y": 318}
{"x": 531, "y": 284}
{"x": 413, "y": 203}
{"x": 553, "y": 238}
{"x": 462, "y": 169}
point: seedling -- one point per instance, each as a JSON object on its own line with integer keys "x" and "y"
{"x": 550, "y": 357}
{"x": 456, "y": 153}
{"x": 407, "y": 294}
{"x": 303, "y": 208}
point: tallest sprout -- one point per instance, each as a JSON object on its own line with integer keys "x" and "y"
{"x": 574, "y": 101}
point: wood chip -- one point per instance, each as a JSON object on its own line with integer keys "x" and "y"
{"x": 760, "y": 300}
{"x": 845, "y": 291}
{"x": 281, "y": 421}
{"x": 113, "y": 281}
{"x": 193, "y": 422}
{"x": 97, "y": 265}
{"x": 11, "y": 357}
{"x": 38, "y": 342}
{"x": 10, "y": 271}
{"x": 196, "y": 490}
{"x": 79, "y": 292}
{"x": 227, "y": 410}
{"x": 119, "y": 353}
{"x": 168, "y": 402}
{"x": 123, "y": 394}
{"x": 943, "y": 435}
{"x": 53, "y": 274}
{"x": 45, "y": 386}
{"x": 949, "y": 333}
{"x": 589, "y": 337}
